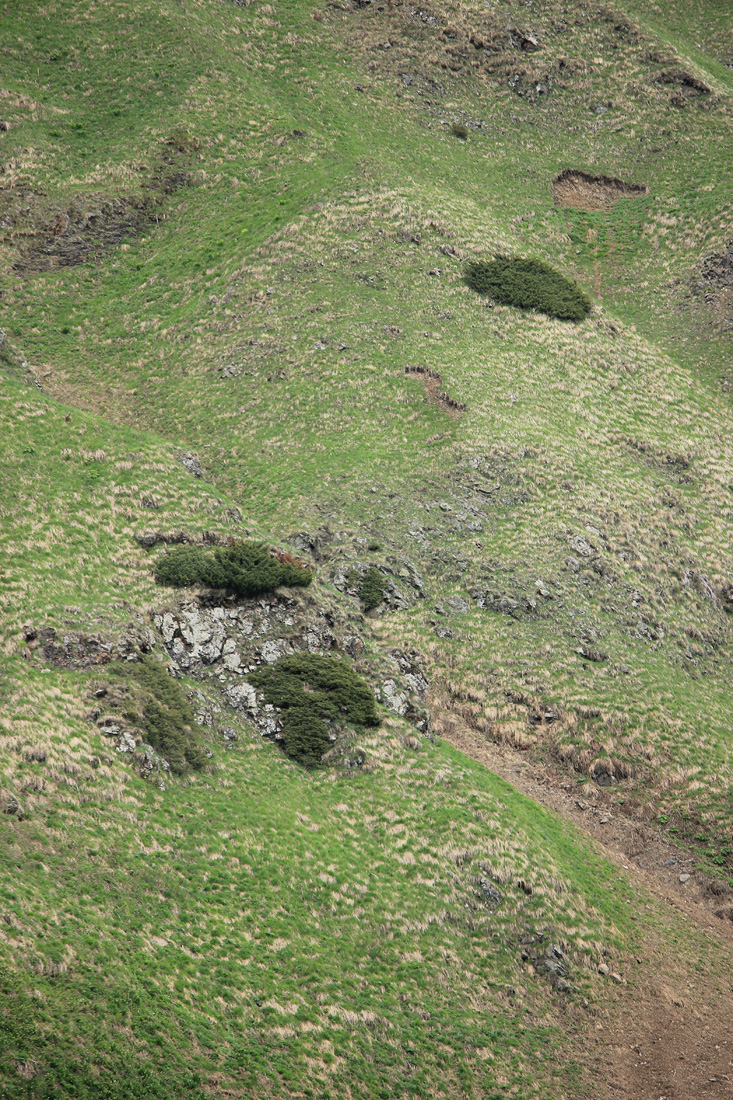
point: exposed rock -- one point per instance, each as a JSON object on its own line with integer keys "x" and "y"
{"x": 523, "y": 40}
{"x": 401, "y": 581}
{"x": 589, "y": 654}
{"x": 316, "y": 544}
{"x": 192, "y": 463}
{"x": 457, "y": 604}
{"x": 582, "y": 546}
{"x": 490, "y": 894}
{"x": 79, "y": 650}
{"x": 506, "y": 605}
{"x": 148, "y": 539}
{"x": 10, "y": 805}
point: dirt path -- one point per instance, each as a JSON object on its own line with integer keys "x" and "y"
{"x": 668, "y": 1035}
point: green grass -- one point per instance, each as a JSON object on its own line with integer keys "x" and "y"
{"x": 277, "y": 927}
{"x": 307, "y": 218}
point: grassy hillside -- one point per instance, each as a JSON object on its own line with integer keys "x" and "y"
{"x": 233, "y": 246}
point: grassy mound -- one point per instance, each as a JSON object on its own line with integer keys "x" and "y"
{"x": 313, "y": 691}
{"x": 529, "y": 284}
{"x": 167, "y": 718}
{"x": 247, "y": 568}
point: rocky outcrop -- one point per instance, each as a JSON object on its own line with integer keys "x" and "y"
{"x": 76, "y": 649}
{"x": 401, "y": 580}
{"x": 237, "y": 637}
{"x": 227, "y": 641}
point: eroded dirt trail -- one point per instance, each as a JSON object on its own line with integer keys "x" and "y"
{"x": 668, "y": 1034}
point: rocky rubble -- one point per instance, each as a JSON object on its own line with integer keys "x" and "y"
{"x": 76, "y": 649}
{"x": 402, "y": 583}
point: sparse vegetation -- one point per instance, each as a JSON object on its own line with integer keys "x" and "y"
{"x": 529, "y": 284}
{"x": 246, "y": 568}
{"x": 315, "y": 694}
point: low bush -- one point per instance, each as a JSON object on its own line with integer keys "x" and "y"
{"x": 529, "y": 284}
{"x": 371, "y": 589}
{"x": 247, "y": 568}
{"x": 166, "y": 716}
{"x": 312, "y": 691}
{"x": 460, "y": 131}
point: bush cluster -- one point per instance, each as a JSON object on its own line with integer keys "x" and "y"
{"x": 247, "y": 568}
{"x": 167, "y": 718}
{"x": 371, "y": 589}
{"x": 529, "y": 284}
{"x": 312, "y": 691}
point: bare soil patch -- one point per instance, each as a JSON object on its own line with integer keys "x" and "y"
{"x": 592, "y": 193}
{"x": 45, "y": 235}
{"x": 433, "y": 382}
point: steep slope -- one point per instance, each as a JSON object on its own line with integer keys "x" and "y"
{"x": 233, "y": 248}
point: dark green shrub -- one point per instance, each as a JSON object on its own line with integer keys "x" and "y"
{"x": 460, "y": 131}
{"x": 311, "y": 691}
{"x": 371, "y": 589}
{"x": 529, "y": 284}
{"x": 167, "y": 718}
{"x": 247, "y": 568}
{"x": 181, "y": 568}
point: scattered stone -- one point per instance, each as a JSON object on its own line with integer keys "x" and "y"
{"x": 616, "y": 978}
{"x": 604, "y": 970}
{"x": 491, "y": 895}
{"x": 192, "y": 463}
{"x": 458, "y": 604}
{"x": 684, "y": 877}
{"x": 229, "y": 734}
{"x": 10, "y": 805}
{"x": 523, "y": 40}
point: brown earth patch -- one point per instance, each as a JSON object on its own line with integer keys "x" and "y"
{"x": 592, "y": 193}
{"x": 433, "y": 381}
{"x": 82, "y": 231}
{"x": 44, "y": 235}
{"x": 690, "y": 85}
